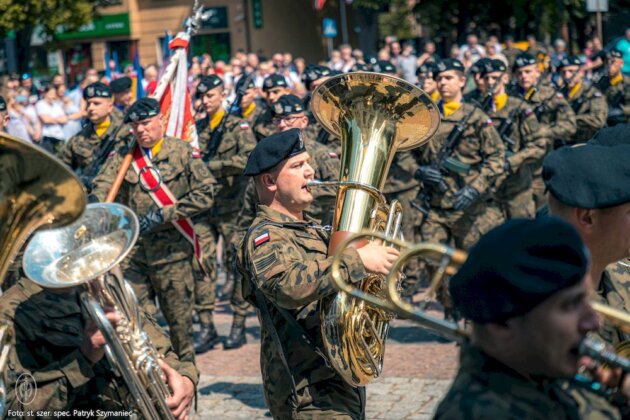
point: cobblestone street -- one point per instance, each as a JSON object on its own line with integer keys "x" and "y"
{"x": 418, "y": 369}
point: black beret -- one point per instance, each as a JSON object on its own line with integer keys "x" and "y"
{"x": 207, "y": 83}
{"x": 572, "y": 60}
{"x": 517, "y": 266}
{"x": 142, "y": 109}
{"x": 287, "y": 105}
{"x": 589, "y": 176}
{"x": 97, "y": 90}
{"x": 272, "y": 150}
{"x": 493, "y": 65}
{"x": 428, "y": 68}
{"x": 524, "y": 59}
{"x": 449, "y": 64}
{"x": 479, "y": 65}
{"x": 273, "y": 81}
{"x": 612, "y": 136}
{"x": 241, "y": 82}
{"x": 3, "y": 104}
{"x": 383, "y": 66}
{"x": 120, "y": 85}
{"x": 615, "y": 53}
{"x": 359, "y": 67}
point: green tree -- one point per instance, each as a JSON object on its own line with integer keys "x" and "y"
{"x": 24, "y": 15}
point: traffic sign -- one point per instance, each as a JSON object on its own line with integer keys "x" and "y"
{"x": 329, "y": 28}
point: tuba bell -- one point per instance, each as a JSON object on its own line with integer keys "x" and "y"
{"x": 36, "y": 191}
{"x": 87, "y": 252}
{"x": 375, "y": 116}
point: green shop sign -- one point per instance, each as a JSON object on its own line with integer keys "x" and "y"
{"x": 104, "y": 25}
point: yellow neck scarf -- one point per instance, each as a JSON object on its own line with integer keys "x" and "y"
{"x": 250, "y": 108}
{"x": 616, "y": 80}
{"x": 450, "y": 107}
{"x": 435, "y": 96}
{"x": 574, "y": 90}
{"x": 215, "y": 120}
{"x": 500, "y": 101}
{"x": 156, "y": 149}
{"x": 101, "y": 128}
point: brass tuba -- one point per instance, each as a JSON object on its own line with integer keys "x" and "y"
{"x": 36, "y": 191}
{"x": 87, "y": 252}
{"x": 375, "y": 116}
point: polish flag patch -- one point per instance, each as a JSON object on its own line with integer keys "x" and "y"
{"x": 333, "y": 155}
{"x": 196, "y": 153}
{"x": 244, "y": 125}
{"x": 490, "y": 122}
{"x": 261, "y": 239}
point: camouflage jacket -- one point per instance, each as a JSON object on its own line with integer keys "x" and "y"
{"x": 47, "y": 330}
{"x": 590, "y": 110}
{"x": 190, "y": 182}
{"x": 254, "y": 114}
{"x": 227, "y": 165}
{"x": 401, "y": 175}
{"x": 477, "y": 160}
{"x": 326, "y": 169}
{"x": 618, "y": 98}
{"x": 289, "y": 265}
{"x": 522, "y": 148}
{"x": 81, "y": 150}
{"x": 557, "y": 118}
{"x": 614, "y": 290}
{"x": 484, "y": 388}
{"x": 317, "y": 132}
{"x": 263, "y": 125}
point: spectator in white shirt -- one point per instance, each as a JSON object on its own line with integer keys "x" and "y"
{"x": 472, "y": 45}
{"x": 52, "y": 116}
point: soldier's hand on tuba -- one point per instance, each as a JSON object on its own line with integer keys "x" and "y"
{"x": 182, "y": 389}
{"x": 93, "y": 344}
{"x": 377, "y": 258}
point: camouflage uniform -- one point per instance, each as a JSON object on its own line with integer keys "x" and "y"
{"x": 557, "y": 122}
{"x": 226, "y": 166}
{"x": 263, "y": 125}
{"x": 591, "y": 111}
{"x": 326, "y": 169}
{"x": 252, "y": 115}
{"x": 484, "y": 388}
{"x": 46, "y": 333}
{"x": 514, "y": 188}
{"x": 81, "y": 150}
{"x": 160, "y": 262}
{"x": 292, "y": 272}
{"x": 402, "y": 185}
{"x": 482, "y": 150}
{"x": 618, "y": 99}
{"x": 614, "y": 290}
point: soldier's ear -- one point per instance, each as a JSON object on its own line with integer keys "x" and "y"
{"x": 268, "y": 181}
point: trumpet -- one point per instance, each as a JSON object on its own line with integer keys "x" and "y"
{"x": 448, "y": 259}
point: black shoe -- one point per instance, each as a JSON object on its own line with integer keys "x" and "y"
{"x": 207, "y": 339}
{"x": 237, "y": 337}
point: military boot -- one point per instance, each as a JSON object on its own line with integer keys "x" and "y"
{"x": 237, "y": 335}
{"x": 207, "y": 338}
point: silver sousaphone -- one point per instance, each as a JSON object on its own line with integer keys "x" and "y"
{"x": 87, "y": 252}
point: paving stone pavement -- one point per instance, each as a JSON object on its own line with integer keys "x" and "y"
{"x": 418, "y": 369}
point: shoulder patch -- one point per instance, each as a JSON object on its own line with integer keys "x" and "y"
{"x": 527, "y": 112}
{"x": 244, "y": 125}
{"x": 264, "y": 262}
{"x": 112, "y": 153}
{"x": 559, "y": 95}
{"x": 489, "y": 122}
{"x": 597, "y": 94}
{"x": 333, "y": 155}
{"x": 261, "y": 239}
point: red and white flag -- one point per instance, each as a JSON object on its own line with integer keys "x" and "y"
{"x": 175, "y": 99}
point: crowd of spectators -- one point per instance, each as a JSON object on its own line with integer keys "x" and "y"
{"x": 52, "y": 113}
